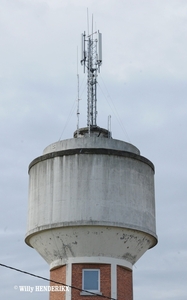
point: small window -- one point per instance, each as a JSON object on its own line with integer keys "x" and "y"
{"x": 91, "y": 281}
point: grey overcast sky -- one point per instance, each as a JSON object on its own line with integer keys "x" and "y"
{"x": 143, "y": 87}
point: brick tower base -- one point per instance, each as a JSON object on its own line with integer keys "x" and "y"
{"x": 114, "y": 281}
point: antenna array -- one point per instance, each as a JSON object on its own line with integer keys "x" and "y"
{"x": 91, "y": 60}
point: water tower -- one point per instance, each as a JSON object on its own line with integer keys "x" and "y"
{"x": 91, "y": 209}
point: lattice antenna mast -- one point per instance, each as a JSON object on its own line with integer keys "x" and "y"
{"x": 78, "y": 98}
{"x": 91, "y": 60}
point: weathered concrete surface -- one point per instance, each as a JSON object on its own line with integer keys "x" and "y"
{"x": 91, "y": 241}
{"x": 110, "y": 188}
{"x": 92, "y": 142}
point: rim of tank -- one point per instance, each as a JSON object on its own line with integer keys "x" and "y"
{"x": 43, "y": 228}
{"x": 96, "y": 151}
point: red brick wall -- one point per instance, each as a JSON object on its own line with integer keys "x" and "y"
{"x": 124, "y": 284}
{"x": 60, "y": 276}
{"x": 105, "y": 280}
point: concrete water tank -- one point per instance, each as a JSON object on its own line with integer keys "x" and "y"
{"x": 91, "y": 196}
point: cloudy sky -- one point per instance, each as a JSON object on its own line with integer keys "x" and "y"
{"x": 143, "y": 87}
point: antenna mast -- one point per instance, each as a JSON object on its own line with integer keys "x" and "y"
{"x": 92, "y": 60}
{"x": 78, "y": 99}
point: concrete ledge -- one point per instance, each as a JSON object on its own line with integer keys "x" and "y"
{"x": 50, "y": 227}
{"x": 94, "y": 151}
{"x": 91, "y": 260}
{"x": 84, "y": 293}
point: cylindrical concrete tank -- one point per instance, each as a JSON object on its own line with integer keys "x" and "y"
{"x": 91, "y": 197}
